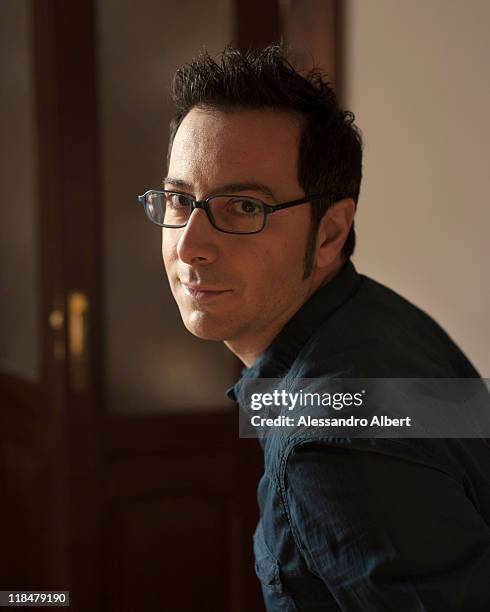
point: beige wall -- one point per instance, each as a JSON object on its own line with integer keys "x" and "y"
{"x": 417, "y": 79}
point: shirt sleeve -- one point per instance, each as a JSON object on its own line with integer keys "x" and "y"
{"x": 384, "y": 533}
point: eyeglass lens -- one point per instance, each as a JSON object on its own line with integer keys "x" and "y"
{"x": 229, "y": 213}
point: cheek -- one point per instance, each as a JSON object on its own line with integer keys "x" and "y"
{"x": 169, "y": 249}
{"x": 288, "y": 251}
{"x": 270, "y": 270}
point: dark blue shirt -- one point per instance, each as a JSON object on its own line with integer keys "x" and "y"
{"x": 370, "y": 524}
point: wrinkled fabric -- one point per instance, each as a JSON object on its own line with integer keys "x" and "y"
{"x": 370, "y": 524}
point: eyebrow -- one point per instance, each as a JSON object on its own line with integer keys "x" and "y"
{"x": 226, "y": 188}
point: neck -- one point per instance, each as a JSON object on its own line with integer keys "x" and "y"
{"x": 248, "y": 349}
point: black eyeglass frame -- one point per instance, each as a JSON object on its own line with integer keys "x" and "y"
{"x": 204, "y": 204}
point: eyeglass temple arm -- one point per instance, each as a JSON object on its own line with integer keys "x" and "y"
{"x": 271, "y": 209}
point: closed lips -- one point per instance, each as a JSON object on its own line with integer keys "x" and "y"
{"x": 203, "y": 289}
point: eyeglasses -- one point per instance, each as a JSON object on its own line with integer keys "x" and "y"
{"x": 232, "y": 214}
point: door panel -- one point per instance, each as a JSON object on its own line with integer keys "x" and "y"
{"x": 152, "y": 365}
{"x": 20, "y": 336}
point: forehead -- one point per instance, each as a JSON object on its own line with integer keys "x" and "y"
{"x": 242, "y": 144}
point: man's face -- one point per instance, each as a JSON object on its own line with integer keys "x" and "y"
{"x": 255, "y": 282}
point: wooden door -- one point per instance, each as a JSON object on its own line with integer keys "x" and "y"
{"x": 126, "y": 511}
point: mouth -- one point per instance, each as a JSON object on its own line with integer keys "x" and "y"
{"x": 203, "y": 293}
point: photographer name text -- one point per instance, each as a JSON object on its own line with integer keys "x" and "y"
{"x": 309, "y": 421}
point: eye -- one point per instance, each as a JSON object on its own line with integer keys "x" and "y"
{"x": 176, "y": 200}
{"x": 243, "y": 206}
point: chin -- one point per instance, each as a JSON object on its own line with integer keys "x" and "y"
{"x": 206, "y": 327}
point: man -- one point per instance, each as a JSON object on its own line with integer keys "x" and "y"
{"x": 264, "y": 171}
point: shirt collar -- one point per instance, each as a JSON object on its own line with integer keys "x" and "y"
{"x": 280, "y": 354}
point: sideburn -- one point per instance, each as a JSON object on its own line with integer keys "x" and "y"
{"x": 310, "y": 247}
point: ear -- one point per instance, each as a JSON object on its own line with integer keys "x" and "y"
{"x": 333, "y": 231}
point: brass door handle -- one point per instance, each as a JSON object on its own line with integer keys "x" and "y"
{"x": 56, "y": 321}
{"x": 78, "y": 340}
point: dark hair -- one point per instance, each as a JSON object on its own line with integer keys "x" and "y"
{"x": 330, "y": 149}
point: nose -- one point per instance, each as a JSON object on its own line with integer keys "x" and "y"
{"x": 198, "y": 242}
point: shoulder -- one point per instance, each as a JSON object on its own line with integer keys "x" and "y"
{"x": 379, "y": 333}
